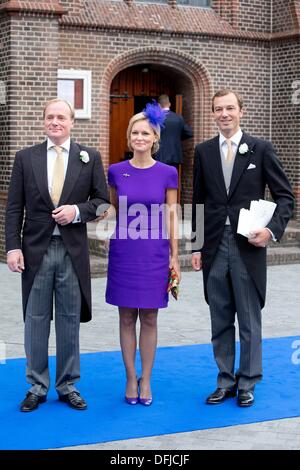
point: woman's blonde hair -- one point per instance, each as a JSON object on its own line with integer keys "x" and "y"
{"x": 156, "y": 130}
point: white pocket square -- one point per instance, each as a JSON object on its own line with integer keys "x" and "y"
{"x": 251, "y": 166}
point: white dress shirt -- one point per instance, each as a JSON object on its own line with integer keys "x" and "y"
{"x": 51, "y": 156}
{"x": 235, "y": 140}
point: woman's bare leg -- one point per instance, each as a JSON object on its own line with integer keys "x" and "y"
{"x": 128, "y": 341}
{"x": 147, "y": 346}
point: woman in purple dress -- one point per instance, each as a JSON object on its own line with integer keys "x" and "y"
{"x": 143, "y": 247}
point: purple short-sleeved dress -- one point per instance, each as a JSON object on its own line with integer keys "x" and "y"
{"x": 138, "y": 260}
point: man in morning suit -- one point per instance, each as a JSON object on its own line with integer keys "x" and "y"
{"x": 59, "y": 184}
{"x": 230, "y": 171}
{"x": 174, "y": 131}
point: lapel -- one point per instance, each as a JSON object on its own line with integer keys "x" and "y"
{"x": 73, "y": 170}
{"x": 216, "y": 165}
{"x": 241, "y": 162}
{"x": 39, "y": 166}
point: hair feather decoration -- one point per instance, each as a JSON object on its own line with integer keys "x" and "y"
{"x": 155, "y": 115}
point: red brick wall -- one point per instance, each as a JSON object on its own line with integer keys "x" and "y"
{"x": 4, "y": 108}
{"x": 34, "y": 49}
{"x": 284, "y": 15}
{"x": 5, "y": 161}
{"x": 227, "y": 9}
{"x": 32, "y": 79}
{"x": 255, "y": 15}
{"x": 73, "y": 6}
{"x": 185, "y": 88}
{"x": 2, "y": 218}
{"x": 245, "y": 15}
{"x": 286, "y": 111}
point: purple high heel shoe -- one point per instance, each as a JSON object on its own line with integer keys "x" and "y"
{"x": 132, "y": 400}
{"x": 144, "y": 401}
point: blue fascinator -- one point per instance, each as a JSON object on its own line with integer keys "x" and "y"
{"x": 155, "y": 115}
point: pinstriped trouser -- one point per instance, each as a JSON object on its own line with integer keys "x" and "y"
{"x": 231, "y": 291}
{"x": 56, "y": 276}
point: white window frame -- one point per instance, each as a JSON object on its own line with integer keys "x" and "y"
{"x": 86, "y": 76}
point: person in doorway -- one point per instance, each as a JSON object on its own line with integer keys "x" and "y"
{"x": 175, "y": 130}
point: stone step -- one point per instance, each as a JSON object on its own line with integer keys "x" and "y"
{"x": 291, "y": 238}
{"x": 283, "y": 255}
{"x": 287, "y": 252}
{"x": 98, "y": 266}
{"x": 275, "y": 256}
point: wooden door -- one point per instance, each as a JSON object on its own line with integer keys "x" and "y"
{"x": 121, "y": 110}
{"x": 129, "y": 91}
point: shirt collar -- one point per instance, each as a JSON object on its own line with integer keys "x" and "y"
{"x": 65, "y": 145}
{"x": 236, "y": 138}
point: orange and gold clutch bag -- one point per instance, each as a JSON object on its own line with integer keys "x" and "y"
{"x": 173, "y": 284}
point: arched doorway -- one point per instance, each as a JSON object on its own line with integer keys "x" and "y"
{"x": 135, "y": 86}
{"x": 188, "y": 77}
{"x": 131, "y": 90}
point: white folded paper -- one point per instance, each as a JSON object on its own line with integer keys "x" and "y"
{"x": 258, "y": 216}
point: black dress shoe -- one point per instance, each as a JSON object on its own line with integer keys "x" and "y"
{"x": 245, "y": 397}
{"x": 220, "y": 395}
{"x": 74, "y": 400}
{"x": 31, "y": 402}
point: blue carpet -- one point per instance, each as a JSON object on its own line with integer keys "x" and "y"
{"x": 183, "y": 376}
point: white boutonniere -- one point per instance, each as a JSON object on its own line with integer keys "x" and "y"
{"x": 243, "y": 149}
{"x": 84, "y": 156}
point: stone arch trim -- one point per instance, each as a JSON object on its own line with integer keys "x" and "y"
{"x": 182, "y": 62}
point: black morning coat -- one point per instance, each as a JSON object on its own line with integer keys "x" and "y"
{"x": 174, "y": 131}
{"x": 247, "y": 184}
{"x": 85, "y": 186}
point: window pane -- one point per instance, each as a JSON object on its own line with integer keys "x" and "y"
{"x": 78, "y": 101}
{"x": 152, "y": 1}
{"x": 195, "y": 3}
{"x": 65, "y": 90}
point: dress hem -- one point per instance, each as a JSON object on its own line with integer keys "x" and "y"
{"x": 135, "y": 306}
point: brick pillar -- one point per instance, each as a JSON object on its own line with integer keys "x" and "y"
{"x": 286, "y": 110}
{"x": 73, "y": 6}
{"x": 4, "y": 121}
{"x": 30, "y": 35}
{"x": 228, "y": 10}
